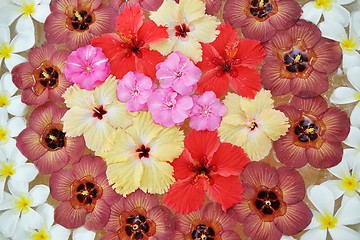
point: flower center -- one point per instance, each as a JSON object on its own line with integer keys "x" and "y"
{"x": 135, "y": 225}
{"x": 28, "y": 8}
{"x": 99, "y": 112}
{"x": 42, "y": 234}
{"x": 23, "y": 203}
{"x": 350, "y": 183}
{"x": 46, "y": 76}
{"x": 327, "y": 221}
{"x": 252, "y": 125}
{"x": 6, "y": 50}
{"x": 202, "y": 171}
{"x": 296, "y": 60}
{"x": 262, "y": 9}
{"x": 4, "y": 98}
{"x": 79, "y": 18}
{"x": 7, "y": 169}
{"x": 143, "y": 151}
{"x": 203, "y": 232}
{"x": 85, "y": 193}
{"x": 268, "y": 203}
{"x": 325, "y": 4}
{"x": 306, "y": 130}
{"x": 53, "y": 138}
{"x": 181, "y": 30}
{"x": 348, "y": 45}
{"x": 4, "y": 135}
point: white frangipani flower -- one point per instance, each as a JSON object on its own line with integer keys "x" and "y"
{"x": 324, "y": 220}
{"x": 11, "y": 103}
{"x": 349, "y": 43}
{"x": 25, "y": 9}
{"x": 9, "y": 48}
{"x": 331, "y": 9}
{"x": 13, "y": 166}
{"x": 82, "y": 233}
{"x": 47, "y": 231}
{"x": 353, "y": 140}
{"x": 10, "y": 128}
{"x": 18, "y": 208}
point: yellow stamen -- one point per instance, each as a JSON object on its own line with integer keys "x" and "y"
{"x": 45, "y": 74}
{"x": 327, "y": 221}
{"x": 41, "y": 234}
{"x": 7, "y": 169}
{"x": 350, "y": 183}
{"x": 348, "y": 45}
{"x": 23, "y": 203}
{"x": 310, "y": 130}
{"x": 78, "y": 16}
{"x": 297, "y": 58}
{"x": 4, "y": 99}
{"x": 6, "y": 50}
{"x": 261, "y": 3}
{"x": 28, "y": 8}
{"x": 357, "y": 96}
{"x": 4, "y": 134}
{"x": 325, "y": 4}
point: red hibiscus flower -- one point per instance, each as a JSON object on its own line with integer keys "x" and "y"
{"x": 315, "y": 134}
{"x": 128, "y": 49}
{"x": 231, "y": 61}
{"x": 206, "y": 167}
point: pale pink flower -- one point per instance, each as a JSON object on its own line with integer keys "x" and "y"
{"x": 88, "y": 67}
{"x": 207, "y": 112}
{"x": 169, "y": 108}
{"x": 135, "y": 89}
{"x": 179, "y": 73}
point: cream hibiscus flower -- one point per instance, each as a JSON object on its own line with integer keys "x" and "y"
{"x": 252, "y": 123}
{"x": 188, "y": 25}
{"x": 95, "y": 114}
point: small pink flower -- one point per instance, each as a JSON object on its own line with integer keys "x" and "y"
{"x": 135, "y": 89}
{"x": 179, "y": 73}
{"x": 207, "y": 112}
{"x": 88, "y": 67}
{"x": 168, "y": 107}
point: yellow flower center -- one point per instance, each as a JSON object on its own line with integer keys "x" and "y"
{"x": 6, "y": 50}
{"x": 23, "y": 203}
{"x": 348, "y": 45}
{"x": 357, "y": 96}
{"x": 4, "y": 99}
{"x": 350, "y": 183}
{"x": 7, "y": 169}
{"x": 28, "y": 8}
{"x": 41, "y": 234}
{"x": 325, "y": 4}
{"x": 297, "y": 58}
{"x": 327, "y": 221}
{"x": 4, "y": 134}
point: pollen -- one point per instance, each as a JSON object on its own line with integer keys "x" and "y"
{"x": 28, "y": 8}
{"x": 297, "y": 58}
{"x": 41, "y": 234}
{"x": 348, "y": 45}
{"x": 4, "y": 134}
{"x": 23, "y": 203}
{"x": 328, "y": 221}
{"x": 325, "y": 4}
{"x": 350, "y": 183}
{"x": 4, "y": 99}
{"x": 357, "y": 96}
{"x": 6, "y": 50}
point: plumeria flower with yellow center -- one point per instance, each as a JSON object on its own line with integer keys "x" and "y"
{"x": 13, "y": 167}
{"x": 349, "y": 43}
{"x": 345, "y": 95}
{"x": 95, "y": 114}
{"x": 37, "y": 9}
{"x": 141, "y": 155}
{"x": 252, "y": 122}
{"x": 11, "y": 103}
{"x": 47, "y": 231}
{"x": 19, "y": 210}
{"x": 188, "y": 26}
{"x": 10, "y": 128}
{"x": 82, "y": 233}
{"x": 331, "y": 9}
{"x": 9, "y": 49}
{"x": 325, "y": 220}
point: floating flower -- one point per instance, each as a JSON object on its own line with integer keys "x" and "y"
{"x": 128, "y": 49}
{"x": 298, "y": 60}
{"x": 315, "y": 134}
{"x": 135, "y": 89}
{"x": 139, "y": 216}
{"x": 168, "y": 108}
{"x": 76, "y": 22}
{"x": 252, "y": 123}
{"x": 272, "y": 202}
{"x": 206, "y": 167}
{"x": 95, "y": 114}
{"x": 10, "y": 128}
{"x": 261, "y": 19}
{"x": 349, "y": 43}
{"x": 151, "y": 5}
{"x": 331, "y": 9}
{"x": 207, "y": 112}
{"x": 179, "y": 73}
{"x": 210, "y": 222}
{"x": 324, "y": 220}
{"x": 140, "y": 156}
{"x": 229, "y": 61}
{"x": 87, "y": 66}
{"x": 84, "y": 194}
{"x": 42, "y": 78}
{"x": 187, "y": 26}
{"x": 19, "y": 206}
{"x": 9, "y": 49}
{"x": 11, "y": 103}
{"x": 44, "y": 140}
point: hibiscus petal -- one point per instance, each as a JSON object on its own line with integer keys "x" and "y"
{"x": 29, "y": 144}
{"x": 202, "y": 143}
{"x": 210, "y": 81}
{"x": 68, "y": 216}
{"x": 326, "y": 62}
{"x": 292, "y": 185}
{"x": 60, "y": 184}
{"x": 97, "y": 219}
{"x": 288, "y": 13}
{"x": 315, "y": 83}
{"x": 52, "y": 161}
{"x": 306, "y": 31}
{"x": 83, "y": 168}
{"x": 260, "y": 174}
{"x": 246, "y": 83}
{"x": 253, "y": 29}
{"x": 316, "y": 106}
{"x": 234, "y": 12}
{"x": 337, "y": 125}
{"x": 272, "y": 80}
{"x": 328, "y": 155}
{"x": 255, "y": 228}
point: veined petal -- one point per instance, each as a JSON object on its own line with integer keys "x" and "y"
{"x": 235, "y": 114}
{"x": 190, "y": 47}
{"x": 273, "y": 122}
{"x": 191, "y": 10}
{"x": 106, "y": 93}
{"x": 99, "y": 136}
{"x": 115, "y": 110}
{"x": 76, "y": 97}
{"x": 344, "y": 95}
{"x": 204, "y": 28}
{"x": 236, "y": 135}
{"x": 77, "y": 120}
{"x": 257, "y": 138}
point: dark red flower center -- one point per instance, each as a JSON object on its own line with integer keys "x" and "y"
{"x": 85, "y": 193}
{"x": 296, "y": 60}
{"x": 79, "y": 18}
{"x": 143, "y": 151}
{"x": 99, "y": 112}
{"x": 203, "y": 232}
{"x": 226, "y": 66}
{"x": 262, "y": 9}
{"x": 306, "y": 130}
{"x": 202, "y": 170}
{"x": 181, "y": 30}
{"x": 53, "y": 138}
{"x": 46, "y": 76}
{"x": 133, "y": 46}
{"x": 268, "y": 203}
{"x": 135, "y": 225}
